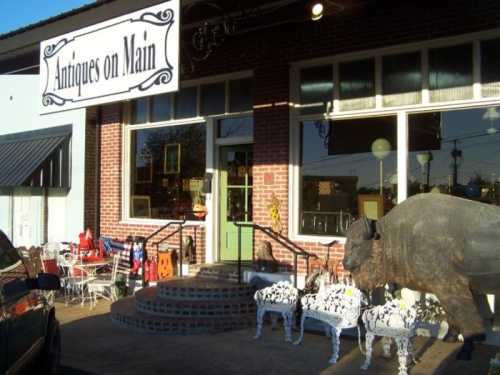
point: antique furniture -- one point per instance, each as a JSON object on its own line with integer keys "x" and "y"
{"x": 394, "y": 320}
{"x": 339, "y": 306}
{"x": 278, "y": 298}
{"x": 104, "y": 288}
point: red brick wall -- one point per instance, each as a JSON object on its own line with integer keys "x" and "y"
{"x": 269, "y": 53}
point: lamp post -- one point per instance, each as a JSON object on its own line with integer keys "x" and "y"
{"x": 425, "y": 164}
{"x": 381, "y": 147}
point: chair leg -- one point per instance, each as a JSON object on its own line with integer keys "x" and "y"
{"x": 260, "y": 318}
{"x": 287, "y": 324}
{"x": 368, "y": 346}
{"x": 335, "y": 344}
{"x": 402, "y": 345}
{"x": 301, "y": 336}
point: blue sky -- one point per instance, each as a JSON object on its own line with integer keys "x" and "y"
{"x": 15, "y": 14}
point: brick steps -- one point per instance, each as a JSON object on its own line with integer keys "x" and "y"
{"x": 147, "y": 301}
{"x": 187, "y": 306}
{"x": 193, "y": 288}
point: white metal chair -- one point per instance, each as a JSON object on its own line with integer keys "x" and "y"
{"x": 278, "y": 298}
{"x": 394, "y": 320}
{"x": 104, "y": 288}
{"x": 75, "y": 284}
{"x": 339, "y": 306}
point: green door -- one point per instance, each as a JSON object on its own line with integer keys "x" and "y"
{"x": 235, "y": 201}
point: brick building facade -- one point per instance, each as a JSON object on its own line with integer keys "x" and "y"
{"x": 271, "y": 53}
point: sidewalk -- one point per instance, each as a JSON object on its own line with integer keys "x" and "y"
{"x": 92, "y": 344}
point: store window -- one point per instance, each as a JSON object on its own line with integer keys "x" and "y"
{"x": 450, "y": 73}
{"x": 167, "y": 170}
{"x": 213, "y": 99}
{"x": 240, "y": 95}
{"x": 186, "y": 100}
{"x": 357, "y": 84}
{"x": 490, "y": 73}
{"x": 401, "y": 79}
{"x": 235, "y": 127}
{"x": 456, "y": 152}
{"x": 347, "y": 169}
{"x": 316, "y": 89}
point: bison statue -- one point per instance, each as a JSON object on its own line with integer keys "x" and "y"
{"x": 432, "y": 243}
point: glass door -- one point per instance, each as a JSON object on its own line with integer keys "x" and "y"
{"x": 235, "y": 201}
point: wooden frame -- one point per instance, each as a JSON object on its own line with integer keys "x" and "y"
{"x": 138, "y": 180}
{"x": 140, "y": 206}
{"x": 172, "y": 158}
{"x": 371, "y": 206}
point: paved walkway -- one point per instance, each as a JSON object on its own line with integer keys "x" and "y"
{"x": 91, "y": 344}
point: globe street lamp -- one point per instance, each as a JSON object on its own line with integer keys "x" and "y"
{"x": 381, "y": 147}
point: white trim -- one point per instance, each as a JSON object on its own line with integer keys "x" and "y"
{"x": 210, "y": 218}
{"x": 476, "y": 69}
{"x": 233, "y": 141}
{"x": 402, "y": 156}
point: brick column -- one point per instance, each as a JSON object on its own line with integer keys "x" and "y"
{"x": 111, "y": 168}
{"x": 271, "y": 149}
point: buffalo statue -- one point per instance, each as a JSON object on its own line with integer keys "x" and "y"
{"x": 432, "y": 243}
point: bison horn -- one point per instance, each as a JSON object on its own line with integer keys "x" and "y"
{"x": 369, "y": 232}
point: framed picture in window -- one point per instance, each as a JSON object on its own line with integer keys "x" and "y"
{"x": 172, "y": 162}
{"x": 371, "y": 206}
{"x": 141, "y": 206}
{"x": 144, "y": 170}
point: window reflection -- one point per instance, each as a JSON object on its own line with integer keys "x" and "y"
{"x": 186, "y": 103}
{"x": 316, "y": 89}
{"x": 450, "y": 73}
{"x": 345, "y": 166}
{"x": 401, "y": 79}
{"x": 455, "y": 152}
{"x": 168, "y": 165}
{"x": 357, "y": 84}
{"x": 235, "y": 127}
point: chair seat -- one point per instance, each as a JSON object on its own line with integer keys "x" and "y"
{"x": 338, "y": 307}
{"x": 281, "y": 298}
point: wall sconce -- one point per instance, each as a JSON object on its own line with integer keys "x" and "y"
{"x": 317, "y": 9}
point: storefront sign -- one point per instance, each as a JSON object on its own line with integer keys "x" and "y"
{"x": 123, "y": 58}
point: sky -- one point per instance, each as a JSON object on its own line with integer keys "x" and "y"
{"x": 15, "y": 14}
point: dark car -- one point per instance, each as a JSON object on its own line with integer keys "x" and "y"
{"x": 29, "y": 331}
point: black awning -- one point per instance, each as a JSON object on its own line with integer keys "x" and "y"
{"x": 21, "y": 154}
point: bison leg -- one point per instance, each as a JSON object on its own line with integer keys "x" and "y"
{"x": 461, "y": 308}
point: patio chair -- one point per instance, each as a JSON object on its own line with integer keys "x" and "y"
{"x": 278, "y": 298}
{"x": 50, "y": 266}
{"x": 104, "y": 288}
{"x": 76, "y": 283}
{"x": 396, "y": 320}
{"x": 339, "y": 306}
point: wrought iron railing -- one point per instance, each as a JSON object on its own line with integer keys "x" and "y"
{"x": 181, "y": 224}
{"x": 284, "y": 241}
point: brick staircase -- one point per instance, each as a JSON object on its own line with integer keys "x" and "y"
{"x": 218, "y": 271}
{"x": 187, "y": 306}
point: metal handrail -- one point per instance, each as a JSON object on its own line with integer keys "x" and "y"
{"x": 172, "y": 222}
{"x": 279, "y": 238}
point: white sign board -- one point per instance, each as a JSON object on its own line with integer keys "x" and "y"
{"x": 127, "y": 57}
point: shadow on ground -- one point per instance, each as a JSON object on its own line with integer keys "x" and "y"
{"x": 92, "y": 345}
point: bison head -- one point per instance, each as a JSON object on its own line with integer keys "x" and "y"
{"x": 362, "y": 257}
